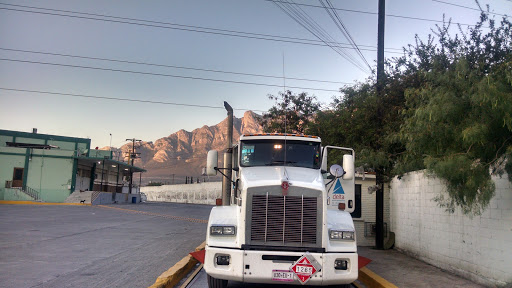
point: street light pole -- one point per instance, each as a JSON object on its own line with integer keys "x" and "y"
{"x": 133, "y": 155}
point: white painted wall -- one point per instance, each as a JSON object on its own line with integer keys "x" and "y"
{"x": 198, "y": 193}
{"x": 478, "y": 248}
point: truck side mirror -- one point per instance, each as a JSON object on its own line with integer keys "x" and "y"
{"x": 324, "y": 160}
{"x": 211, "y": 163}
{"x": 336, "y": 170}
{"x": 348, "y": 166}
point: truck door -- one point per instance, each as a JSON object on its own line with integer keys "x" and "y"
{"x": 340, "y": 188}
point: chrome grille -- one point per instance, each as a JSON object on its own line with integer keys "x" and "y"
{"x": 284, "y": 219}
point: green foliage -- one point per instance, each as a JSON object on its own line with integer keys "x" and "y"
{"x": 292, "y": 114}
{"x": 447, "y": 108}
{"x": 458, "y": 122}
{"x": 353, "y": 122}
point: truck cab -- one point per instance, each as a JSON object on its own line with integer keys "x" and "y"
{"x": 288, "y": 220}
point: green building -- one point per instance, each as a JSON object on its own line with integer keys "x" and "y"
{"x": 50, "y": 168}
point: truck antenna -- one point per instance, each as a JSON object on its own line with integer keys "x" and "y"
{"x": 285, "y": 118}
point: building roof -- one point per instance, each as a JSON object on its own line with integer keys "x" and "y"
{"x": 44, "y": 136}
{"x": 122, "y": 165}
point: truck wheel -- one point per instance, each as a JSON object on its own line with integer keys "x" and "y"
{"x": 216, "y": 283}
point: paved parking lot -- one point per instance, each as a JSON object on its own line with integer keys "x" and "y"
{"x": 96, "y": 246}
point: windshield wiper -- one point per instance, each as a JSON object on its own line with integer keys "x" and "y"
{"x": 279, "y": 162}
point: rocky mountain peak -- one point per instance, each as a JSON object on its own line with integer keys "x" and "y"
{"x": 184, "y": 153}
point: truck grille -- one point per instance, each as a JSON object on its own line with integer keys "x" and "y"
{"x": 289, "y": 220}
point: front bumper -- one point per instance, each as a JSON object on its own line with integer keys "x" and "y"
{"x": 249, "y": 266}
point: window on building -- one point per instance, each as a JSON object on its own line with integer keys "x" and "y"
{"x": 357, "y": 210}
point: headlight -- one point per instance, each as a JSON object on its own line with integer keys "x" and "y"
{"x": 341, "y": 235}
{"x": 222, "y": 230}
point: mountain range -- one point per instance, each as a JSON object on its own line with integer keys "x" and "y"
{"x": 171, "y": 159}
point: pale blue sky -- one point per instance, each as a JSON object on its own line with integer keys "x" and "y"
{"x": 97, "y": 118}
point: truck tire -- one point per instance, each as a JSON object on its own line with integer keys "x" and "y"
{"x": 216, "y": 283}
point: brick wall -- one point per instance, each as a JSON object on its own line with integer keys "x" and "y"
{"x": 478, "y": 248}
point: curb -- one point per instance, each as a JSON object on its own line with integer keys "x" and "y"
{"x": 371, "y": 279}
{"x": 171, "y": 277}
{"x": 41, "y": 203}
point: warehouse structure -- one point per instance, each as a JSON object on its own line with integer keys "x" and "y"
{"x": 50, "y": 168}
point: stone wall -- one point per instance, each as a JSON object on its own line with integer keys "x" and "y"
{"x": 478, "y": 248}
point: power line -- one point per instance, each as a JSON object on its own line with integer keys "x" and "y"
{"x": 470, "y": 8}
{"x": 181, "y": 27}
{"x": 372, "y": 13}
{"x": 120, "y": 99}
{"x": 308, "y": 23}
{"x": 160, "y": 74}
{"x": 164, "y": 65}
{"x": 334, "y": 16}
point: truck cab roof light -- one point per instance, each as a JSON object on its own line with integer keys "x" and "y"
{"x": 281, "y": 134}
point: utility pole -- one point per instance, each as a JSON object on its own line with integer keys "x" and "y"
{"x": 379, "y": 205}
{"x": 133, "y": 155}
{"x": 228, "y": 165}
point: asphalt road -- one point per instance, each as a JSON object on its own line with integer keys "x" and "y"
{"x": 96, "y": 246}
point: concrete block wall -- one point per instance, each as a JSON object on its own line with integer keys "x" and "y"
{"x": 120, "y": 198}
{"x": 198, "y": 193}
{"x": 478, "y": 247}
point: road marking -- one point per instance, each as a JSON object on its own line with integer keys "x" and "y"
{"x": 156, "y": 214}
{"x": 12, "y": 202}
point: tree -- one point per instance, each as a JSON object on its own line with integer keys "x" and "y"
{"x": 458, "y": 122}
{"x": 447, "y": 108}
{"x": 291, "y": 114}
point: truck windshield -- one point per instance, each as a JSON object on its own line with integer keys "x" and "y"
{"x": 271, "y": 152}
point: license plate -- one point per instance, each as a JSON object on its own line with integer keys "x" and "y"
{"x": 282, "y": 275}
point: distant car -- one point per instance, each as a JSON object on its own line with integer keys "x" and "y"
{"x": 143, "y": 197}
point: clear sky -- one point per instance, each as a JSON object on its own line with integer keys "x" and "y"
{"x": 63, "y": 27}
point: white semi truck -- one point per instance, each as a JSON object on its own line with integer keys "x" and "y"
{"x": 288, "y": 220}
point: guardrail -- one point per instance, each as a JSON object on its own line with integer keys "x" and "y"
{"x": 33, "y": 193}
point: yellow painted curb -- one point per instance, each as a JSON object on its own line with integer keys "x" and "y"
{"x": 171, "y": 277}
{"x": 372, "y": 280}
{"x": 42, "y": 203}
